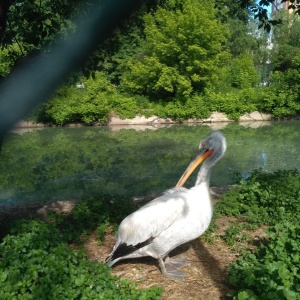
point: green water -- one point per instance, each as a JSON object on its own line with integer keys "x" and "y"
{"x": 68, "y": 163}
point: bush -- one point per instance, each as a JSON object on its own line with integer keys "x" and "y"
{"x": 240, "y": 73}
{"x": 282, "y": 97}
{"x": 88, "y": 105}
{"x": 181, "y": 109}
{"x": 233, "y": 103}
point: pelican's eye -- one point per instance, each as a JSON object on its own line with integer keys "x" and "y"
{"x": 203, "y": 144}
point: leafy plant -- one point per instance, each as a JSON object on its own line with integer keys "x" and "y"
{"x": 231, "y": 233}
{"x": 183, "y": 48}
{"x": 263, "y": 199}
{"x": 272, "y": 271}
{"x": 35, "y": 263}
{"x": 95, "y": 213}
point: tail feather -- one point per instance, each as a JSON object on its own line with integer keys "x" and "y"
{"x": 122, "y": 250}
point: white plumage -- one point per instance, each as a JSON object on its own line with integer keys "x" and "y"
{"x": 178, "y": 216}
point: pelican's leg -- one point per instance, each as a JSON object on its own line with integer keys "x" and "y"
{"x": 170, "y": 270}
{"x": 175, "y": 262}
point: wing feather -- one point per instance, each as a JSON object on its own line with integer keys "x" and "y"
{"x": 154, "y": 217}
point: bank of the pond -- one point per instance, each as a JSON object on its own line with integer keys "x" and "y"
{"x": 215, "y": 117}
{"x": 64, "y": 207}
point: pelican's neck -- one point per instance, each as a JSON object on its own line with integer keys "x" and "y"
{"x": 204, "y": 174}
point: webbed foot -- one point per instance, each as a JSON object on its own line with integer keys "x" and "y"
{"x": 175, "y": 262}
{"x": 169, "y": 268}
{"x": 174, "y": 274}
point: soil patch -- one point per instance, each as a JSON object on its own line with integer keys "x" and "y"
{"x": 205, "y": 273}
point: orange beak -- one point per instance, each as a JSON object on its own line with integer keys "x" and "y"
{"x": 193, "y": 165}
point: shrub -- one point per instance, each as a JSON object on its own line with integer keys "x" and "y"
{"x": 183, "y": 109}
{"x": 233, "y": 103}
{"x": 88, "y": 105}
{"x": 282, "y": 97}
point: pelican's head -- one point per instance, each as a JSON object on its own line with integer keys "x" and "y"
{"x": 211, "y": 149}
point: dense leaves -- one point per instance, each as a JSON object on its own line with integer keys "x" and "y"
{"x": 263, "y": 199}
{"x": 281, "y": 98}
{"x": 271, "y": 271}
{"x": 36, "y": 263}
{"x": 34, "y": 24}
{"x": 182, "y": 51}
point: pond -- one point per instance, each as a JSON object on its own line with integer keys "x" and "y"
{"x": 72, "y": 163}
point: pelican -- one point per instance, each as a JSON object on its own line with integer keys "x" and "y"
{"x": 177, "y": 217}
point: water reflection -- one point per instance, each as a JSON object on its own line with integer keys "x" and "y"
{"x": 66, "y": 163}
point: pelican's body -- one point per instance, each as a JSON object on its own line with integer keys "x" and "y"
{"x": 178, "y": 216}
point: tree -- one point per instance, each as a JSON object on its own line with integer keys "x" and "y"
{"x": 282, "y": 97}
{"x": 33, "y": 24}
{"x": 286, "y": 42}
{"x": 241, "y": 72}
{"x": 183, "y": 48}
{"x": 261, "y": 13}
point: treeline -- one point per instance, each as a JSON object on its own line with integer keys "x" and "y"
{"x": 179, "y": 59}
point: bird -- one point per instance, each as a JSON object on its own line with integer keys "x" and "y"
{"x": 176, "y": 217}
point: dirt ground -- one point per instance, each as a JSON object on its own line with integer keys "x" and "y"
{"x": 205, "y": 272}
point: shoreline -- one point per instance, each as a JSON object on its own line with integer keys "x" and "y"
{"x": 64, "y": 207}
{"x": 215, "y": 117}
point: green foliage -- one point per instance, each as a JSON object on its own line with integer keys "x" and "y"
{"x": 35, "y": 24}
{"x": 70, "y": 104}
{"x": 282, "y": 97}
{"x": 241, "y": 72}
{"x": 231, "y": 234}
{"x": 233, "y": 103}
{"x": 286, "y": 39}
{"x": 88, "y": 105}
{"x": 184, "y": 58}
{"x": 193, "y": 107}
{"x": 125, "y": 107}
{"x": 95, "y": 214}
{"x": 272, "y": 271}
{"x": 182, "y": 50}
{"x": 36, "y": 264}
{"x": 4, "y": 63}
{"x": 124, "y": 42}
{"x": 264, "y": 199}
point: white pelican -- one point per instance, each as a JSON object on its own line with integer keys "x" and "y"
{"x": 178, "y": 216}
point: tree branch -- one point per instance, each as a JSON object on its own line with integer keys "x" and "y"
{"x": 4, "y": 7}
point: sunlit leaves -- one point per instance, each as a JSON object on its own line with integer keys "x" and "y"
{"x": 182, "y": 49}
{"x": 272, "y": 272}
{"x": 36, "y": 263}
